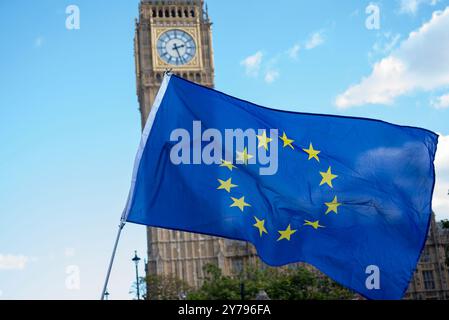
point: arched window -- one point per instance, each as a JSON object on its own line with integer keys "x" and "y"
{"x": 185, "y": 76}
{"x": 198, "y": 77}
{"x": 161, "y": 14}
{"x": 173, "y": 13}
{"x": 180, "y": 13}
{"x": 167, "y": 13}
{"x": 192, "y": 13}
{"x": 154, "y": 13}
{"x": 186, "y": 13}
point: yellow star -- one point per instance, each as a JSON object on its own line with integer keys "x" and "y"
{"x": 240, "y": 203}
{"x": 312, "y": 152}
{"x": 287, "y": 142}
{"x": 286, "y": 234}
{"x": 226, "y": 185}
{"x": 314, "y": 225}
{"x": 263, "y": 140}
{"x": 227, "y": 164}
{"x": 333, "y": 206}
{"x": 244, "y": 156}
{"x": 328, "y": 177}
{"x": 260, "y": 224}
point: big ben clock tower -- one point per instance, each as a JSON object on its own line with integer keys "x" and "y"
{"x": 176, "y": 35}
{"x": 172, "y": 35}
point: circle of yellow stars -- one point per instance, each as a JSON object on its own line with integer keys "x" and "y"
{"x": 327, "y": 178}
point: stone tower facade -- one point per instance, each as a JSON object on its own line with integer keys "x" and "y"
{"x": 176, "y": 35}
{"x": 431, "y": 279}
{"x": 183, "y": 18}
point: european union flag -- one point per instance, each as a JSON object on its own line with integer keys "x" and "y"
{"x": 350, "y": 196}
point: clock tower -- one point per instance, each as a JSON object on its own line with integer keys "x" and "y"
{"x": 176, "y": 35}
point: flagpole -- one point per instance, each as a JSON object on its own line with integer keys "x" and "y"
{"x": 158, "y": 99}
{"x": 120, "y": 228}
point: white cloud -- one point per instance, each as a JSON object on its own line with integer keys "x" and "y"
{"x": 271, "y": 75}
{"x": 256, "y": 62}
{"x": 411, "y": 6}
{"x": 384, "y": 84}
{"x": 442, "y": 157}
{"x": 252, "y": 64}
{"x": 408, "y": 6}
{"x": 440, "y": 194}
{"x": 315, "y": 40}
{"x": 13, "y": 262}
{"x": 420, "y": 63}
{"x": 441, "y": 102}
{"x": 293, "y": 52}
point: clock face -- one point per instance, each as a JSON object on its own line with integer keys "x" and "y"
{"x": 176, "y": 47}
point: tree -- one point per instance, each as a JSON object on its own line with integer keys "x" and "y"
{"x": 142, "y": 289}
{"x": 444, "y": 224}
{"x": 295, "y": 283}
{"x": 216, "y": 286}
{"x": 161, "y": 287}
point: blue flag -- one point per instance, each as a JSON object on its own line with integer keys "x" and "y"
{"x": 350, "y": 196}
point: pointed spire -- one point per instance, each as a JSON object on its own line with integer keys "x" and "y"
{"x": 206, "y": 12}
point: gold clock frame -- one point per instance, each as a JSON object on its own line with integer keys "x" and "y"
{"x": 195, "y": 64}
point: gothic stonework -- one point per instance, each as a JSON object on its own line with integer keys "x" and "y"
{"x": 431, "y": 279}
{"x": 156, "y": 17}
{"x": 187, "y": 50}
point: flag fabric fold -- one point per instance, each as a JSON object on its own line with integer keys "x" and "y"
{"x": 350, "y": 196}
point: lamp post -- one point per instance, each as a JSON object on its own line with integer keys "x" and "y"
{"x": 242, "y": 290}
{"x": 136, "y": 260}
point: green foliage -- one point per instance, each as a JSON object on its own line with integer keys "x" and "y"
{"x": 142, "y": 289}
{"x": 216, "y": 286}
{"x": 298, "y": 283}
{"x": 445, "y": 224}
{"x": 161, "y": 287}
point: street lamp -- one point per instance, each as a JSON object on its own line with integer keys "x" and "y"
{"x": 136, "y": 260}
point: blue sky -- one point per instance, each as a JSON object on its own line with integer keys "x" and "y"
{"x": 69, "y": 120}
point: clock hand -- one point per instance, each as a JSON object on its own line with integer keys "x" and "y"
{"x": 175, "y": 47}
